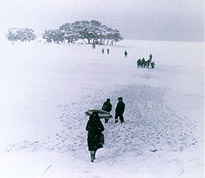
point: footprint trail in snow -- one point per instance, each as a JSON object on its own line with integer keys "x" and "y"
{"x": 149, "y": 125}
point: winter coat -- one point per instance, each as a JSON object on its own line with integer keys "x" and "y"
{"x": 120, "y": 108}
{"x": 107, "y": 106}
{"x": 94, "y": 128}
{"x": 126, "y": 53}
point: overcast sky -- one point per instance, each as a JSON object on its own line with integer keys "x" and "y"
{"x": 178, "y": 20}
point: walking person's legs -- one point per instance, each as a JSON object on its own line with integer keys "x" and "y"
{"x": 92, "y": 155}
{"x": 121, "y": 119}
{"x": 116, "y": 118}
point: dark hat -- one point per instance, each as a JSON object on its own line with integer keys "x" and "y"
{"x": 120, "y": 98}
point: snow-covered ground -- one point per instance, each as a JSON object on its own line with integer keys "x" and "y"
{"x": 46, "y": 88}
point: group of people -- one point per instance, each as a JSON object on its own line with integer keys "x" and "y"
{"x": 103, "y": 51}
{"x": 146, "y": 63}
{"x": 140, "y": 62}
{"x": 95, "y": 127}
{"x": 120, "y": 108}
{"x": 108, "y": 52}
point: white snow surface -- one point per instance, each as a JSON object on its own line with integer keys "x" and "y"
{"x": 46, "y": 88}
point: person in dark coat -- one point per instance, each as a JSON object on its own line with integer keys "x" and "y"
{"x": 119, "y": 110}
{"x": 152, "y": 64}
{"x": 139, "y": 63}
{"x": 126, "y": 53}
{"x": 95, "y": 128}
{"x": 107, "y": 106}
{"x": 103, "y": 50}
{"x": 149, "y": 60}
{"x": 150, "y": 57}
{"x": 108, "y": 51}
{"x": 143, "y": 62}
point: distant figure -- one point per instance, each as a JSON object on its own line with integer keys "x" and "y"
{"x": 150, "y": 56}
{"x": 147, "y": 63}
{"x": 152, "y": 64}
{"x": 143, "y": 63}
{"x": 119, "y": 110}
{"x": 126, "y": 53}
{"x": 149, "y": 60}
{"x": 93, "y": 45}
{"x": 108, "y": 51}
{"x": 95, "y": 128}
{"x": 139, "y": 63}
{"x": 103, "y": 50}
{"x": 107, "y": 106}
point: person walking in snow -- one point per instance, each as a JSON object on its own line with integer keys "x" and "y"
{"x": 149, "y": 60}
{"x": 95, "y": 128}
{"x": 107, "y": 106}
{"x": 150, "y": 57}
{"x": 119, "y": 110}
{"x": 126, "y": 53}
{"x": 152, "y": 64}
{"x": 108, "y": 51}
{"x": 139, "y": 63}
{"x": 143, "y": 62}
{"x": 103, "y": 50}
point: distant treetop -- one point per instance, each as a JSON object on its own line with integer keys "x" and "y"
{"x": 20, "y": 34}
{"x": 91, "y": 32}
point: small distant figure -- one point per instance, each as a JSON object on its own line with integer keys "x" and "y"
{"x": 143, "y": 63}
{"x": 103, "y": 50}
{"x": 150, "y": 57}
{"x": 107, "y": 106}
{"x": 108, "y": 51}
{"x": 139, "y": 62}
{"x": 126, "y": 53}
{"x": 93, "y": 45}
{"x": 95, "y": 128}
{"x": 120, "y": 110}
{"x": 149, "y": 60}
{"x": 152, "y": 65}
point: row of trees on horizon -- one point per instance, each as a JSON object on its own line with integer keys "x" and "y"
{"x": 90, "y": 32}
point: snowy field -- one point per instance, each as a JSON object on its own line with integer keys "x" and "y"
{"x": 46, "y": 88}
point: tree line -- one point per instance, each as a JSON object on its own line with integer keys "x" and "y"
{"x": 89, "y": 32}
{"x": 20, "y": 34}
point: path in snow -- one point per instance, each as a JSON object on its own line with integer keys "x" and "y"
{"x": 149, "y": 126}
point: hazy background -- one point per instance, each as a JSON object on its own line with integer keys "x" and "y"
{"x": 176, "y": 20}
